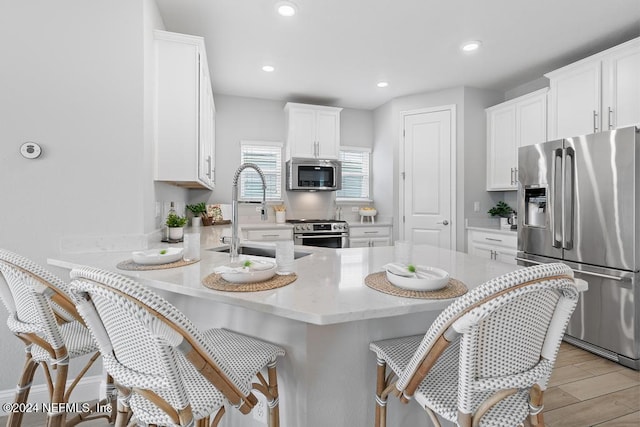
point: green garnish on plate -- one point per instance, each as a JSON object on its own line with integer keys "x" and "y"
{"x": 247, "y": 263}
{"x": 411, "y": 268}
{"x": 162, "y": 252}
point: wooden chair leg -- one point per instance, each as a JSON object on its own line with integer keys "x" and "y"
{"x": 123, "y": 411}
{"x": 536, "y": 406}
{"x": 381, "y": 403}
{"x": 22, "y": 390}
{"x": 274, "y": 405}
{"x": 58, "y": 418}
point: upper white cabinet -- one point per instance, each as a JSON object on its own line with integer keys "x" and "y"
{"x": 516, "y": 123}
{"x": 185, "y": 112}
{"x": 313, "y": 131}
{"x": 598, "y": 93}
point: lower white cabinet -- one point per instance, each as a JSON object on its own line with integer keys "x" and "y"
{"x": 495, "y": 245}
{"x": 368, "y": 236}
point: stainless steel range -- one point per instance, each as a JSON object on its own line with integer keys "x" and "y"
{"x": 327, "y": 233}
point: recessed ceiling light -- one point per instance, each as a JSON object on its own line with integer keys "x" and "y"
{"x": 286, "y": 8}
{"x": 382, "y": 84}
{"x": 268, "y": 68}
{"x": 471, "y": 45}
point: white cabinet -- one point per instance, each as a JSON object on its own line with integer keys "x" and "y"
{"x": 185, "y": 112}
{"x": 495, "y": 245}
{"x": 368, "y": 236}
{"x": 516, "y": 123}
{"x": 598, "y": 93}
{"x": 313, "y": 131}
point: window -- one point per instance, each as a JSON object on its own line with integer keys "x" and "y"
{"x": 268, "y": 157}
{"x": 355, "y": 173}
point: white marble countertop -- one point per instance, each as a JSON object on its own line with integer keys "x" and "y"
{"x": 329, "y": 289}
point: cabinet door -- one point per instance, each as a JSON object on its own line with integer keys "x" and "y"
{"x": 575, "y": 100}
{"x": 505, "y": 255}
{"x": 501, "y": 149}
{"x": 328, "y": 134}
{"x": 531, "y": 121}
{"x": 302, "y": 132}
{"x": 207, "y": 130}
{"x": 621, "y": 91}
{"x": 481, "y": 251}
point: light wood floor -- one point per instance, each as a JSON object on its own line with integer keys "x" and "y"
{"x": 585, "y": 390}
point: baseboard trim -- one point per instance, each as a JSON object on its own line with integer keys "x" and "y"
{"x": 89, "y": 388}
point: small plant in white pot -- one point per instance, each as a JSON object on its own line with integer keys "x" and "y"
{"x": 176, "y": 225}
{"x": 199, "y": 211}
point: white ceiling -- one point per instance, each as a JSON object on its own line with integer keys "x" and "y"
{"x": 334, "y": 52}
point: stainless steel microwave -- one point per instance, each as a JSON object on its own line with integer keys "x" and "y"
{"x": 314, "y": 175}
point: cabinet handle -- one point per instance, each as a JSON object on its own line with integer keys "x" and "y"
{"x": 209, "y": 167}
{"x": 515, "y": 176}
{"x": 610, "y": 117}
{"x": 595, "y": 121}
{"x": 493, "y": 240}
{"x": 370, "y": 232}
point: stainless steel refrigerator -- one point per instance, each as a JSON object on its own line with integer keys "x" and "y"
{"x": 579, "y": 202}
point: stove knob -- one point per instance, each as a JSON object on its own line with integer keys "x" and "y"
{"x": 309, "y": 227}
{"x": 297, "y": 228}
{"x": 338, "y": 226}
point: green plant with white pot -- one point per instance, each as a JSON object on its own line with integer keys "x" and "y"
{"x": 176, "y": 224}
{"x": 199, "y": 211}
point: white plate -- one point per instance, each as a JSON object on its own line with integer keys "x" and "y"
{"x": 258, "y": 271}
{"x": 157, "y": 256}
{"x": 427, "y": 279}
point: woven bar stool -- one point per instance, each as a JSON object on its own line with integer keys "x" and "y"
{"x": 487, "y": 358}
{"x": 167, "y": 371}
{"x": 43, "y": 316}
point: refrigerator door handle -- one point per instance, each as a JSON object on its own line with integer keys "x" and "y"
{"x": 567, "y": 195}
{"x": 586, "y": 273}
{"x": 556, "y": 212}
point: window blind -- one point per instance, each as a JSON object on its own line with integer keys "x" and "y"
{"x": 355, "y": 174}
{"x": 268, "y": 157}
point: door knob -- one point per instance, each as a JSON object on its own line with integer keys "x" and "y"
{"x": 445, "y": 222}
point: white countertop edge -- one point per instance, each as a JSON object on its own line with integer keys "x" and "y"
{"x": 499, "y": 230}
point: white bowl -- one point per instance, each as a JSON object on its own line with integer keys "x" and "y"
{"x": 426, "y": 279}
{"x": 157, "y": 256}
{"x": 368, "y": 212}
{"x": 257, "y": 272}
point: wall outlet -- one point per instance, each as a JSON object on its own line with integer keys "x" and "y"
{"x": 261, "y": 411}
{"x": 355, "y": 209}
{"x": 476, "y": 206}
{"x": 259, "y": 209}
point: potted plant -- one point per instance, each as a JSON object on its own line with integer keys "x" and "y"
{"x": 199, "y": 211}
{"x": 176, "y": 225}
{"x": 504, "y": 211}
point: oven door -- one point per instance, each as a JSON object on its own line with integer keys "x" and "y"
{"x": 324, "y": 240}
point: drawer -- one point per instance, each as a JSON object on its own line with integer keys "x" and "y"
{"x": 270, "y": 234}
{"x": 495, "y": 239}
{"x": 381, "y": 231}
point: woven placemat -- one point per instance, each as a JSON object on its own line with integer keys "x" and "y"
{"x": 379, "y": 282}
{"x": 130, "y": 265}
{"x": 215, "y": 281}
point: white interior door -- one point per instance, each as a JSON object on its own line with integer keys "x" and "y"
{"x": 428, "y": 152}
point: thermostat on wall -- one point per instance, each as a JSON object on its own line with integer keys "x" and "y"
{"x": 30, "y": 150}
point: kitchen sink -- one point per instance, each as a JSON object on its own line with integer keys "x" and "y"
{"x": 259, "y": 251}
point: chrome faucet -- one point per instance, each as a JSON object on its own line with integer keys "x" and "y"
{"x": 235, "y": 239}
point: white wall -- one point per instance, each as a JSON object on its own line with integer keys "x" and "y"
{"x": 74, "y": 83}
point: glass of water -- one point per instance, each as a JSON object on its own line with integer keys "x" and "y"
{"x": 284, "y": 257}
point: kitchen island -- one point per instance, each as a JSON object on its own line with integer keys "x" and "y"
{"x": 324, "y": 320}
